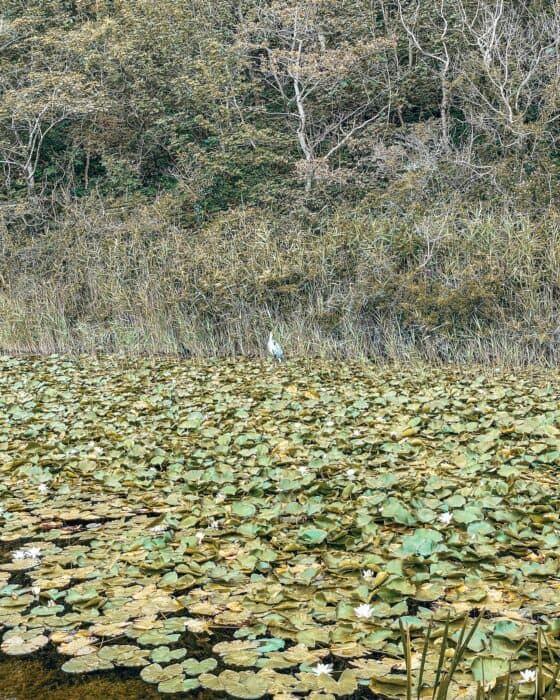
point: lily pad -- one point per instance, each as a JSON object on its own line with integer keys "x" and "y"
{"x": 178, "y": 685}
{"x": 18, "y": 646}
{"x": 165, "y": 654}
{"x": 193, "y": 667}
{"x": 486, "y": 669}
{"x": 124, "y": 655}
{"x": 86, "y": 664}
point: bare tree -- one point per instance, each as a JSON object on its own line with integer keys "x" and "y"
{"x": 36, "y": 99}
{"x": 28, "y": 130}
{"x": 330, "y": 89}
{"x": 511, "y": 61}
{"x": 436, "y": 48}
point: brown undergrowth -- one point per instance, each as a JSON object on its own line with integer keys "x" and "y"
{"x": 456, "y": 286}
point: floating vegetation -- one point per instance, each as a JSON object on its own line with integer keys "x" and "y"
{"x": 296, "y": 530}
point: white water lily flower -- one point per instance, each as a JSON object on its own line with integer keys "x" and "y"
{"x": 43, "y": 488}
{"x": 445, "y": 518}
{"x": 368, "y": 573}
{"x": 529, "y": 675}
{"x": 33, "y": 552}
{"x": 35, "y": 590}
{"x": 365, "y": 611}
{"x": 302, "y": 470}
{"x": 158, "y": 528}
{"x": 18, "y": 555}
{"x": 214, "y": 524}
{"x": 350, "y": 473}
{"x": 200, "y": 536}
{"x": 327, "y": 669}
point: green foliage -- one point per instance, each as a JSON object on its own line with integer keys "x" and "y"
{"x": 211, "y": 98}
{"x": 403, "y": 161}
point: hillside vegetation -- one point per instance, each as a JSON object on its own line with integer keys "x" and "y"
{"x": 374, "y": 177}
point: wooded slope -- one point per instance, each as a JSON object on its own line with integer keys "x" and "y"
{"x": 372, "y": 176}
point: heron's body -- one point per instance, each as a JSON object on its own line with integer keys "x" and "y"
{"x": 274, "y": 349}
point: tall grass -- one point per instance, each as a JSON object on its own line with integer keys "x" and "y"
{"x": 452, "y": 661}
{"x": 450, "y": 287}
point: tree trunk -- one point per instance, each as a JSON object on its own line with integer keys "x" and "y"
{"x": 445, "y": 112}
{"x": 30, "y": 179}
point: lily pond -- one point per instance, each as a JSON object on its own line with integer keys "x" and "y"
{"x": 245, "y": 529}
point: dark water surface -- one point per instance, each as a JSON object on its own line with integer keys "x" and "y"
{"x": 38, "y": 677}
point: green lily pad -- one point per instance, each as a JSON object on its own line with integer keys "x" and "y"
{"x": 486, "y": 669}
{"x": 87, "y": 663}
{"x": 193, "y": 667}
{"x": 243, "y": 509}
{"x": 422, "y": 542}
{"x": 178, "y": 685}
{"x": 157, "y": 638}
{"x": 19, "y": 646}
{"x": 245, "y": 684}
{"x": 155, "y": 673}
{"x": 124, "y": 655}
{"x": 313, "y": 535}
{"x": 165, "y": 654}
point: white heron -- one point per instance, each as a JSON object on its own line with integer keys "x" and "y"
{"x": 274, "y": 349}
